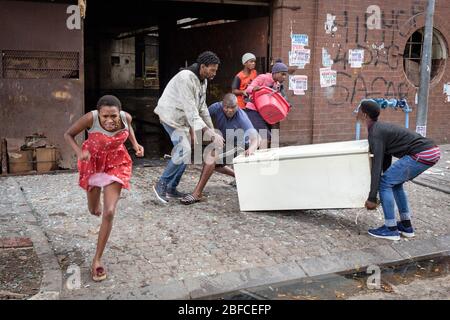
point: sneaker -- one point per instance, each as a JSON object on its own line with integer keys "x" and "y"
{"x": 384, "y": 233}
{"x": 175, "y": 194}
{"x": 160, "y": 192}
{"x": 404, "y": 231}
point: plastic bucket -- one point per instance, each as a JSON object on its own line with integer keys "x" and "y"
{"x": 271, "y": 105}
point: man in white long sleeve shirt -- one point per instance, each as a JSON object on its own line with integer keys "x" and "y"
{"x": 181, "y": 108}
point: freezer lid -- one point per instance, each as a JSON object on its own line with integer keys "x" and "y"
{"x": 307, "y": 151}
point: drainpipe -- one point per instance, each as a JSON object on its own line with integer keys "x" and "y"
{"x": 425, "y": 70}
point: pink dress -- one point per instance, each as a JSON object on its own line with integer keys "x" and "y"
{"x": 109, "y": 161}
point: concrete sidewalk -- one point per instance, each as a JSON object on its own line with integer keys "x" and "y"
{"x": 20, "y": 227}
{"x": 177, "y": 251}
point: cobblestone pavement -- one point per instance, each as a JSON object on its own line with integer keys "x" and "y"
{"x": 156, "y": 244}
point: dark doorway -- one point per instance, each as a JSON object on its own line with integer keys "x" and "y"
{"x": 133, "y": 48}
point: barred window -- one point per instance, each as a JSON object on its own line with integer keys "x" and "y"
{"x": 413, "y": 54}
{"x": 18, "y": 64}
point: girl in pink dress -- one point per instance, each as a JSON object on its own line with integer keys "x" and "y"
{"x": 103, "y": 162}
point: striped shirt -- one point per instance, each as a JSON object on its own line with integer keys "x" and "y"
{"x": 430, "y": 156}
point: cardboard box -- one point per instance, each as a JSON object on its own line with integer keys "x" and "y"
{"x": 46, "y": 159}
{"x": 20, "y": 161}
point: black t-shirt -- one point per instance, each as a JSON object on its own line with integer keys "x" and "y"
{"x": 387, "y": 140}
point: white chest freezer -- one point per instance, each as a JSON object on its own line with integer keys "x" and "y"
{"x": 317, "y": 176}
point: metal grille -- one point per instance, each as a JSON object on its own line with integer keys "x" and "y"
{"x": 40, "y": 64}
{"x": 413, "y": 54}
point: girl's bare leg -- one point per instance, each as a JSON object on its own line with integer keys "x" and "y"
{"x": 111, "y": 194}
{"x": 94, "y": 205}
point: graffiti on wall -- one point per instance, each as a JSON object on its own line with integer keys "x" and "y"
{"x": 373, "y": 35}
{"x": 360, "y": 86}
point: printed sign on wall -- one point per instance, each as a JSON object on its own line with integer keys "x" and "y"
{"x": 356, "y": 57}
{"x": 299, "y": 39}
{"x": 326, "y": 58}
{"x": 299, "y": 84}
{"x": 447, "y": 91}
{"x": 299, "y": 58}
{"x": 327, "y": 77}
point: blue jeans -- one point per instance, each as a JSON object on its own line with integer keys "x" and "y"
{"x": 391, "y": 188}
{"x": 181, "y": 154}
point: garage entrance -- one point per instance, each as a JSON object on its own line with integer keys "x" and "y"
{"x": 133, "y": 48}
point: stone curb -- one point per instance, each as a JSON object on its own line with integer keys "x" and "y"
{"x": 209, "y": 287}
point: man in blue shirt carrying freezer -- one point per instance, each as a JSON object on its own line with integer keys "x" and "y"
{"x": 238, "y": 132}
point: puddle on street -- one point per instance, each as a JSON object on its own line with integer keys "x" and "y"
{"x": 347, "y": 284}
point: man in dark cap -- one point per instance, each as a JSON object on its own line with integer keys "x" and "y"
{"x": 182, "y": 110}
{"x": 274, "y": 80}
{"x": 415, "y": 153}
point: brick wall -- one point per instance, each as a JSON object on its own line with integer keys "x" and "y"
{"x": 325, "y": 114}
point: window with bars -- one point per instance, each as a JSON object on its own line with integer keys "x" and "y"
{"x": 413, "y": 54}
{"x": 19, "y": 64}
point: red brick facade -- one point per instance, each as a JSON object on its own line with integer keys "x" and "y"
{"x": 325, "y": 114}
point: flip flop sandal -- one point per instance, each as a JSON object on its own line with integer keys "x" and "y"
{"x": 99, "y": 274}
{"x": 189, "y": 199}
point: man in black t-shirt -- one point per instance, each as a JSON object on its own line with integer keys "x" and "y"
{"x": 416, "y": 154}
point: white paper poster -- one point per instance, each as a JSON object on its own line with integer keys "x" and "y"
{"x": 327, "y": 77}
{"x": 326, "y": 58}
{"x": 447, "y": 91}
{"x": 356, "y": 57}
{"x": 299, "y": 39}
{"x": 330, "y": 24}
{"x": 299, "y": 84}
{"x": 422, "y": 130}
{"x": 299, "y": 58}
{"x": 447, "y": 88}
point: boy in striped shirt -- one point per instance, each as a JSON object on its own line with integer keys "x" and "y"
{"x": 416, "y": 154}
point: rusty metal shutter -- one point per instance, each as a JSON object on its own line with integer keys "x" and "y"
{"x": 19, "y": 64}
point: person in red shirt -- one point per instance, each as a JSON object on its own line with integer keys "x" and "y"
{"x": 104, "y": 162}
{"x": 243, "y": 79}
